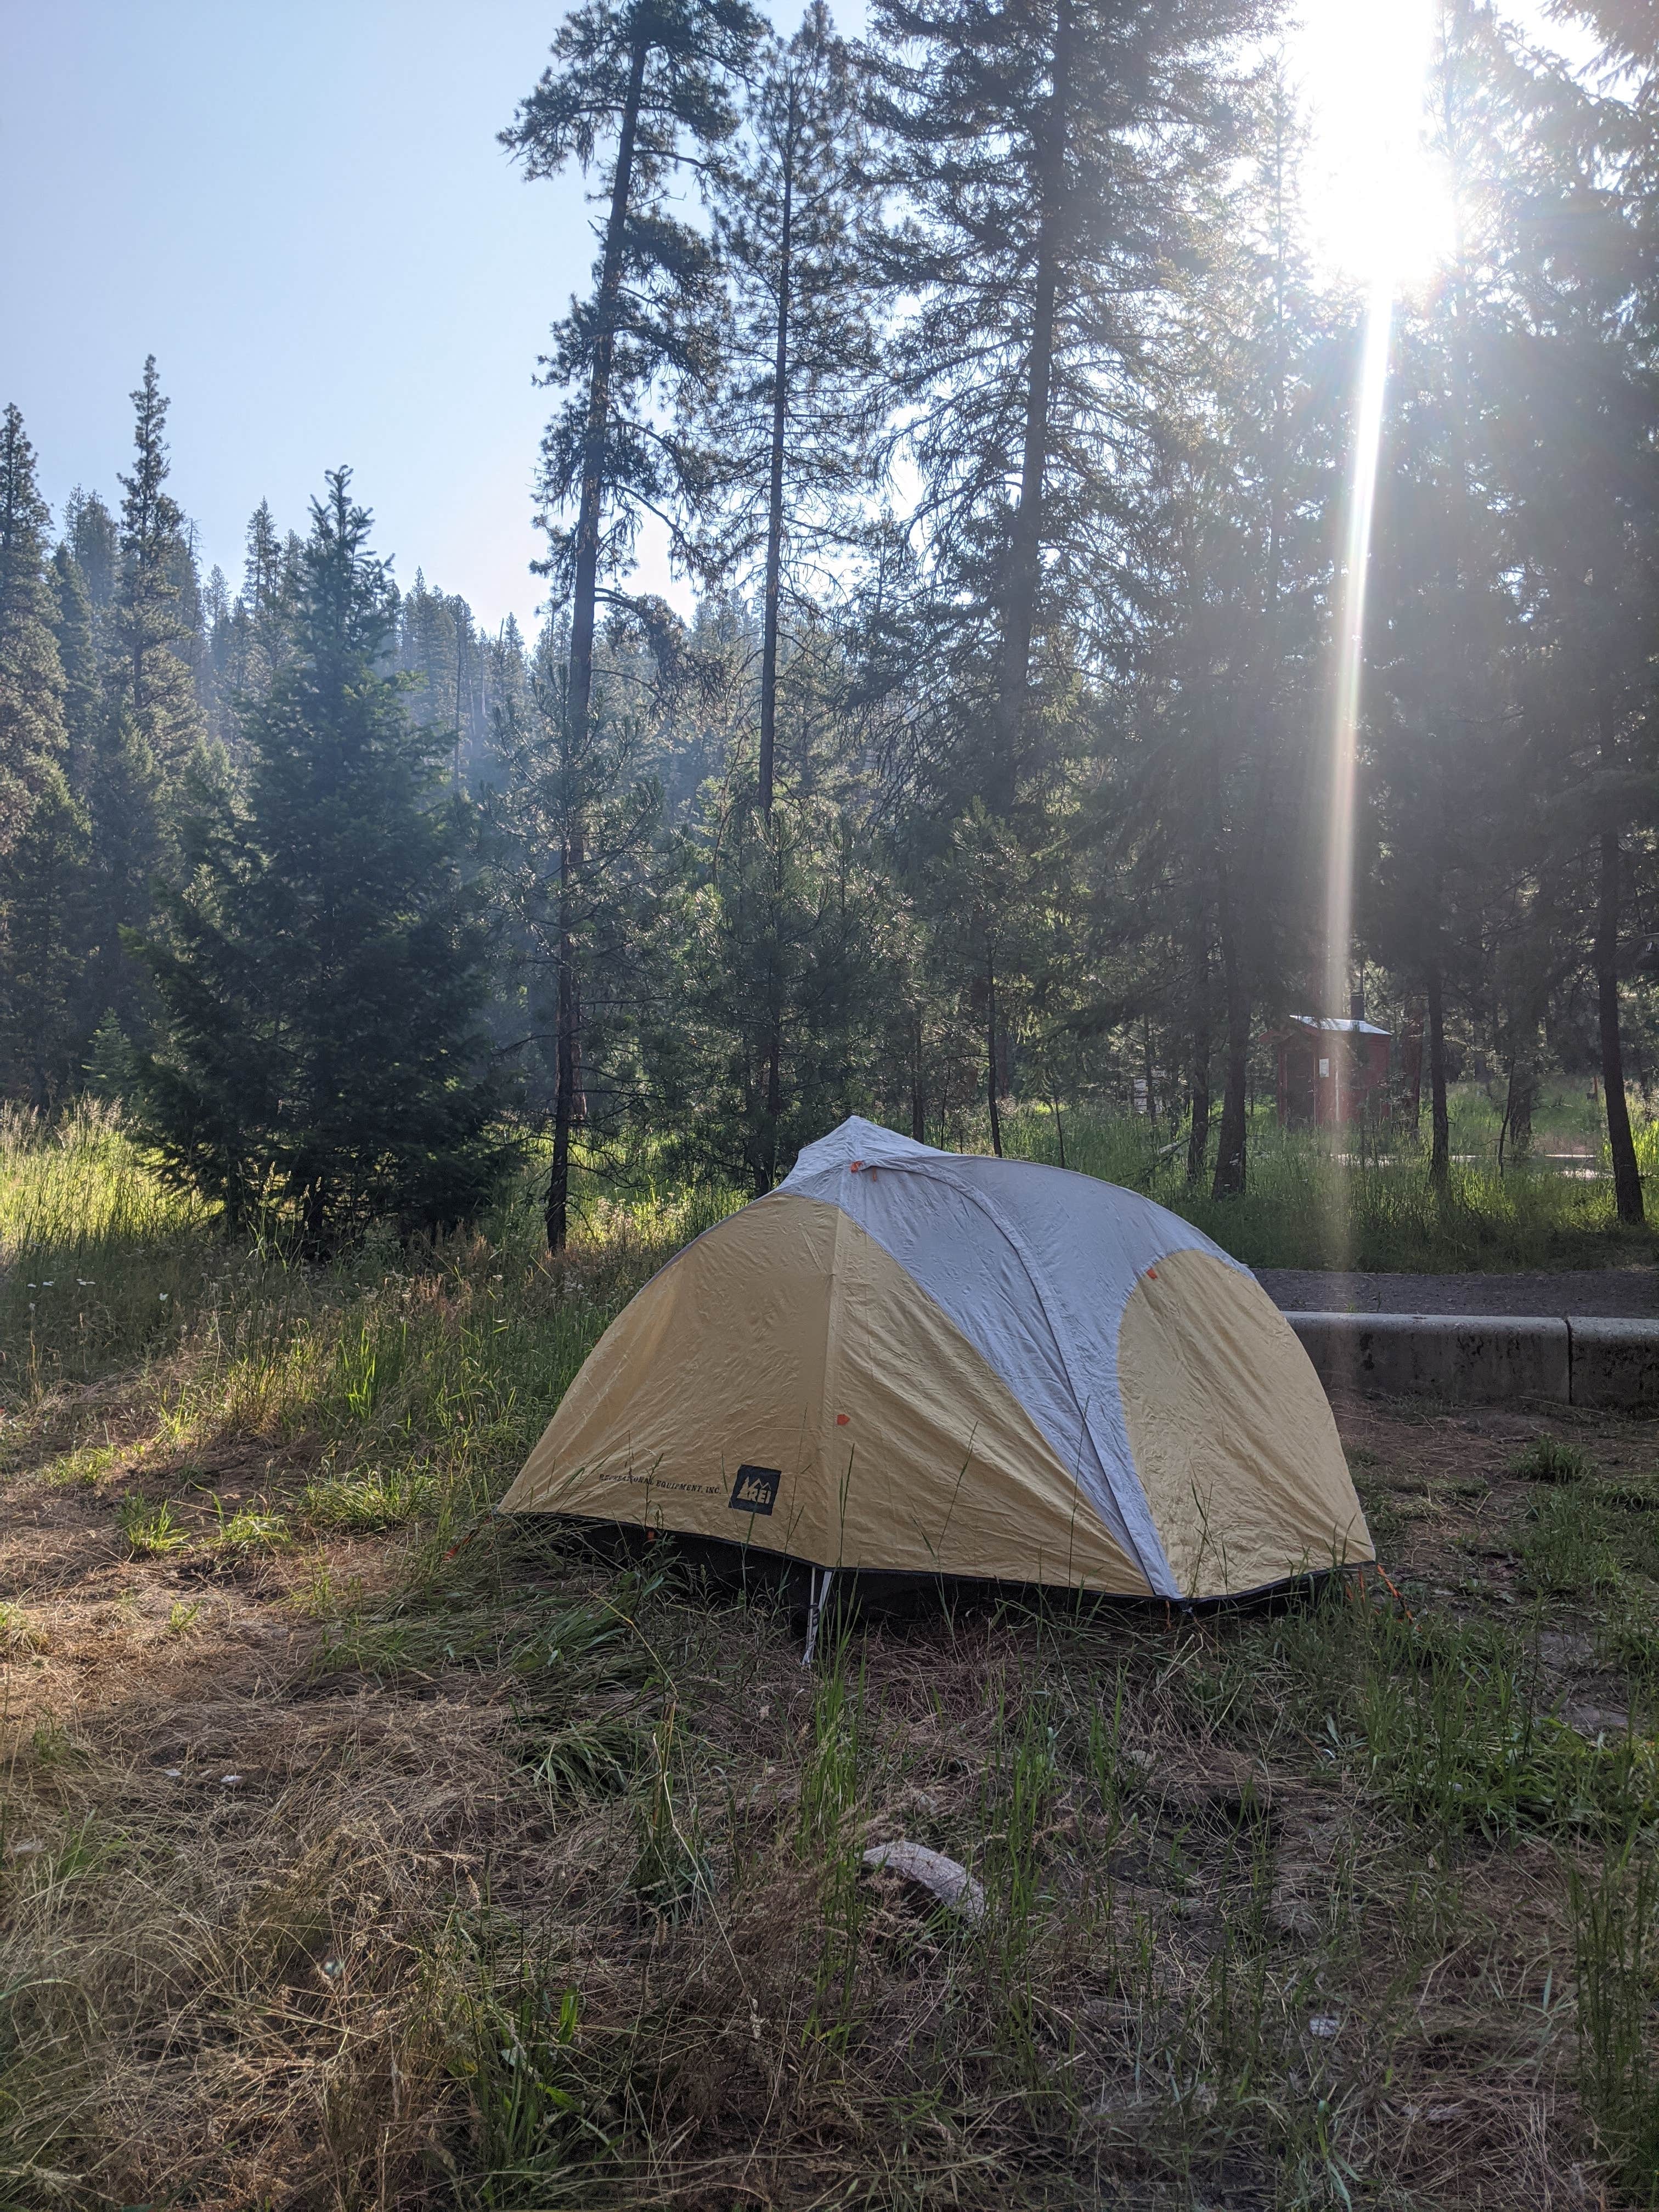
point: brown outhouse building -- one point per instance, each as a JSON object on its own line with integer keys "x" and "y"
{"x": 1332, "y": 1071}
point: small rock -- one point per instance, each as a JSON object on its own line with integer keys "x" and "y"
{"x": 231, "y": 1781}
{"x": 27, "y": 1847}
{"x": 173, "y": 1773}
{"x": 951, "y": 1883}
{"x": 1324, "y": 2024}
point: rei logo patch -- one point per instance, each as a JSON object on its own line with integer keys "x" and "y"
{"x": 755, "y": 1490}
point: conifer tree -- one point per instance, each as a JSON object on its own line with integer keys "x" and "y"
{"x": 774, "y": 917}
{"x": 438, "y": 646}
{"x": 1451, "y": 636}
{"x": 1042, "y": 162}
{"x": 121, "y": 788}
{"x": 798, "y": 412}
{"x": 32, "y": 738}
{"x": 264, "y": 568}
{"x": 644, "y": 90}
{"x": 90, "y": 534}
{"x": 1577, "y": 446}
{"x": 1041, "y": 159}
{"x": 245, "y": 635}
{"x": 42, "y": 833}
{"x": 763, "y": 1044}
{"x": 793, "y": 434}
{"x": 44, "y": 882}
{"x": 1219, "y": 756}
{"x": 580, "y": 927}
{"x": 321, "y": 966}
{"x": 77, "y": 655}
{"x": 153, "y": 631}
{"x": 113, "y": 839}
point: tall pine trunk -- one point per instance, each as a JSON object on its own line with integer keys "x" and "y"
{"x": 1412, "y": 1047}
{"x": 564, "y": 1068}
{"x": 1059, "y": 1126}
{"x": 1521, "y": 1090}
{"x": 1198, "y": 1137}
{"x": 1523, "y": 1093}
{"x": 1627, "y": 1178}
{"x": 1230, "y": 1161}
{"x": 1439, "y": 1119}
{"x": 579, "y": 689}
{"x": 774, "y": 587}
{"x": 1025, "y": 546}
{"x": 767, "y": 1166}
{"x": 991, "y": 1050}
{"x": 767, "y": 1174}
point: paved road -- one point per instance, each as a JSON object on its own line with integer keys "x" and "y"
{"x": 1625, "y": 1293}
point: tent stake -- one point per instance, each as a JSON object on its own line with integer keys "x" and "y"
{"x": 820, "y": 1598}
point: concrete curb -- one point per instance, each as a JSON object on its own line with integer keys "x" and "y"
{"x": 1578, "y": 1360}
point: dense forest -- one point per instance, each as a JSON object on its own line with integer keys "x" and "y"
{"x": 996, "y": 411}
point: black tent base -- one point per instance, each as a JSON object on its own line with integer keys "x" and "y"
{"x": 728, "y": 1572}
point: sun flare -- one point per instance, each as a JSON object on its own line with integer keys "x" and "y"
{"x": 1379, "y": 202}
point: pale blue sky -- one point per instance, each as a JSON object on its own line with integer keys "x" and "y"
{"x": 300, "y": 207}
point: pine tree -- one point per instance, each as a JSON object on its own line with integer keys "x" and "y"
{"x": 502, "y": 681}
{"x": 43, "y": 891}
{"x": 77, "y": 655}
{"x": 153, "y": 631}
{"x": 1217, "y": 756}
{"x": 264, "y": 567}
{"x": 793, "y": 432}
{"x": 438, "y": 646}
{"x": 113, "y": 837}
{"x": 581, "y": 925}
{"x": 42, "y": 833}
{"x": 1042, "y": 156}
{"x": 121, "y": 789}
{"x": 90, "y": 534}
{"x": 245, "y": 635}
{"x": 799, "y": 410}
{"x": 774, "y": 933}
{"x": 32, "y": 738}
{"x": 1483, "y": 566}
{"x": 321, "y": 965}
{"x": 1577, "y": 441}
{"x": 773, "y": 917}
{"x": 649, "y": 81}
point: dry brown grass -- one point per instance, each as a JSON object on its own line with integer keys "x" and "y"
{"x": 538, "y": 1885}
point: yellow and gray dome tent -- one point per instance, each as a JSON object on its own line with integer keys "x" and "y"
{"x": 924, "y": 1362}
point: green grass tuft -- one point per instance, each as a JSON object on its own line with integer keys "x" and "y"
{"x": 1547, "y": 1459}
{"x": 148, "y": 1527}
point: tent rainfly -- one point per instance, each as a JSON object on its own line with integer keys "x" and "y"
{"x": 919, "y": 1362}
